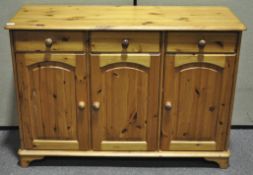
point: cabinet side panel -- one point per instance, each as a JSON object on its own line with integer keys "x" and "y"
{"x": 14, "y": 66}
{"x": 237, "y": 58}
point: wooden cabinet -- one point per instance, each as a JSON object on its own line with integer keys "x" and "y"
{"x": 149, "y": 82}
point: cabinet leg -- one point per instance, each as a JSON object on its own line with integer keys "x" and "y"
{"x": 24, "y": 161}
{"x": 222, "y": 162}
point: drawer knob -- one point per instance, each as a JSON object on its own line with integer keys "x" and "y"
{"x": 49, "y": 42}
{"x": 168, "y": 105}
{"x": 96, "y": 105}
{"x": 202, "y": 43}
{"x": 81, "y": 105}
{"x": 125, "y": 43}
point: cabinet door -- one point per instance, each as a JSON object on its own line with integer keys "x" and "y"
{"x": 124, "y": 93}
{"x": 197, "y": 93}
{"x": 52, "y": 93}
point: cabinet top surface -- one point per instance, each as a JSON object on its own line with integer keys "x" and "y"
{"x": 150, "y": 18}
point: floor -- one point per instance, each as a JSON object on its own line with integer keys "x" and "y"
{"x": 241, "y": 162}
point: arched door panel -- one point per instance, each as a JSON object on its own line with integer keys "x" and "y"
{"x": 51, "y": 86}
{"x": 196, "y": 87}
{"x": 125, "y": 101}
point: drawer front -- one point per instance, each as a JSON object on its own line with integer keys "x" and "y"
{"x": 207, "y": 42}
{"x": 49, "y": 41}
{"x": 125, "y": 42}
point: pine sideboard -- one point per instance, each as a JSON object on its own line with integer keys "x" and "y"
{"x": 124, "y": 81}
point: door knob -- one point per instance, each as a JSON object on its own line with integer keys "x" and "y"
{"x": 125, "y": 43}
{"x": 202, "y": 43}
{"x": 49, "y": 42}
{"x": 96, "y": 105}
{"x": 81, "y": 105}
{"x": 168, "y": 105}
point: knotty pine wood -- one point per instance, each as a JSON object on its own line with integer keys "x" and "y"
{"x": 73, "y": 17}
{"x": 182, "y": 154}
{"x": 192, "y": 145}
{"x": 83, "y": 115}
{"x": 220, "y": 157}
{"x": 56, "y": 144}
{"x": 16, "y": 82}
{"x": 124, "y": 145}
{"x": 48, "y": 93}
{"x": 238, "y": 48}
{"x": 31, "y": 59}
{"x": 213, "y": 59}
{"x": 107, "y": 59}
{"x": 62, "y": 41}
{"x": 138, "y": 41}
{"x": 216, "y": 42}
{"x": 200, "y": 97}
{"x": 224, "y": 119}
{"x": 109, "y": 101}
{"x": 128, "y": 94}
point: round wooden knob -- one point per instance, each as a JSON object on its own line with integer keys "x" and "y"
{"x": 202, "y": 43}
{"x": 168, "y": 105}
{"x": 96, "y": 105}
{"x": 49, "y": 42}
{"x": 125, "y": 43}
{"x": 81, "y": 105}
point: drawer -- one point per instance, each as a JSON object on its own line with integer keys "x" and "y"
{"x": 125, "y": 42}
{"x": 49, "y": 41}
{"x": 207, "y": 42}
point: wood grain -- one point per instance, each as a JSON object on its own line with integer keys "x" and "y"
{"x": 193, "y": 145}
{"x": 227, "y": 138}
{"x": 182, "y": 154}
{"x": 56, "y": 144}
{"x": 128, "y": 94}
{"x": 24, "y": 102}
{"x": 62, "y": 41}
{"x": 124, "y": 146}
{"x": 195, "y": 96}
{"x": 88, "y": 93}
{"x": 216, "y": 42}
{"x": 109, "y": 59}
{"x": 211, "y": 59}
{"x": 48, "y": 94}
{"x": 16, "y": 82}
{"x": 83, "y": 116}
{"x": 34, "y": 58}
{"x": 112, "y": 41}
{"x": 73, "y": 17}
{"x": 225, "y": 103}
